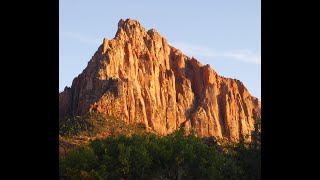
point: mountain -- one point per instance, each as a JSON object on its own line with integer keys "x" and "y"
{"x": 139, "y": 78}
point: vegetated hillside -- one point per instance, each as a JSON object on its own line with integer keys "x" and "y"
{"x": 80, "y": 130}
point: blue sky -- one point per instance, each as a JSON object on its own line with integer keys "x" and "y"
{"x": 224, "y": 34}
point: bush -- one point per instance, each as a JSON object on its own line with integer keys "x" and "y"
{"x": 79, "y": 164}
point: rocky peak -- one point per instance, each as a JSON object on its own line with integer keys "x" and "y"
{"x": 153, "y": 33}
{"x": 139, "y": 78}
{"x": 130, "y": 28}
{"x": 128, "y": 24}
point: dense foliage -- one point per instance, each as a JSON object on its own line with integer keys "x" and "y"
{"x": 148, "y": 156}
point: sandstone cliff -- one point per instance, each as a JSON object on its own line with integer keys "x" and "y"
{"x": 138, "y": 77}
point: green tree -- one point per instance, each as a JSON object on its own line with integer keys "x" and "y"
{"x": 79, "y": 164}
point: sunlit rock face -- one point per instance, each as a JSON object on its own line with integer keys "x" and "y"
{"x": 138, "y": 77}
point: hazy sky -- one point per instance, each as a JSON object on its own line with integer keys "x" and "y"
{"x": 224, "y": 34}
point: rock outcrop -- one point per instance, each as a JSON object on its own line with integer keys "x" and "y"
{"x": 138, "y": 77}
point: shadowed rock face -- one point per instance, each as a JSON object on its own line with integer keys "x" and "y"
{"x": 138, "y": 77}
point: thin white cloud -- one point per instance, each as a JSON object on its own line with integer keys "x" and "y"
{"x": 81, "y": 38}
{"x": 245, "y": 55}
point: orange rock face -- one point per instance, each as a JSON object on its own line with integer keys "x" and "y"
{"x": 138, "y": 77}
